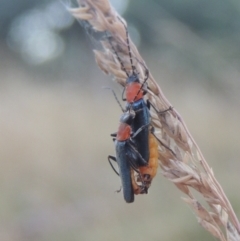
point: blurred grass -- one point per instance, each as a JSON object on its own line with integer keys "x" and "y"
{"x": 56, "y": 183}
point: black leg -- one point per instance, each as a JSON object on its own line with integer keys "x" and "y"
{"x": 124, "y": 99}
{"x": 149, "y": 104}
{"x": 113, "y": 158}
{"x": 152, "y": 131}
{"x": 139, "y": 130}
{"x": 139, "y": 156}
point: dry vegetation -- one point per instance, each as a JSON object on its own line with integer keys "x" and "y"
{"x": 182, "y": 162}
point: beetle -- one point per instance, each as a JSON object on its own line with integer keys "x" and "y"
{"x": 127, "y": 156}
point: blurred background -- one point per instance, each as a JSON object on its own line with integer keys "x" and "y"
{"x": 55, "y": 118}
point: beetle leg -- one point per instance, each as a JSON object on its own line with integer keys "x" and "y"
{"x": 113, "y": 158}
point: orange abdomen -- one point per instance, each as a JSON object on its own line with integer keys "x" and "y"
{"x": 149, "y": 172}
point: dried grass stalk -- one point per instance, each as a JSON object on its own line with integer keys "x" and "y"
{"x": 182, "y": 161}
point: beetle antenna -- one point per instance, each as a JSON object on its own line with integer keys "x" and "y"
{"x": 128, "y": 45}
{"x": 116, "y": 98}
{"x": 118, "y": 58}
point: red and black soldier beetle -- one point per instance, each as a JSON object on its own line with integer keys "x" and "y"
{"x": 127, "y": 156}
